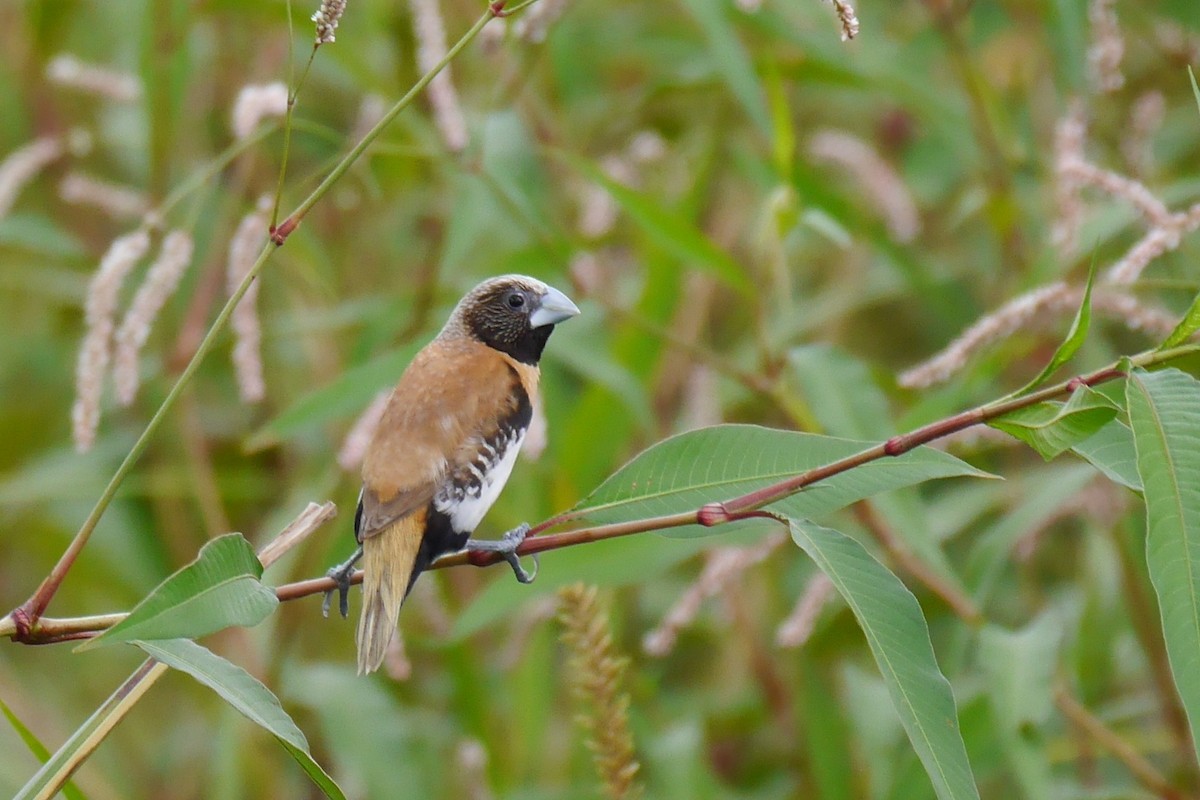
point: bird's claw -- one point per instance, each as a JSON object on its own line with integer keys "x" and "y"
{"x": 506, "y": 547}
{"x": 341, "y": 575}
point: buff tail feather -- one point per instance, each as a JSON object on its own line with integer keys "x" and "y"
{"x": 388, "y": 560}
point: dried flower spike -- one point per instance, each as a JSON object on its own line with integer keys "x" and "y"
{"x": 798, "y": 627}
{"x": 22, "y": 165}
{"x": 119, "y": 202}
{"x": 431, "y": 49}
{"x": 161, "y": 280}
{"x": 534, "y": 23}
{"x": 354, "y": 446}
{"x": 846, "y": 16}
{"x": 95, "y": 352}
{"x": 249, "y": 237}
{"x": 879, "y": 181}
{"x": 596, "y": 671}
{"x": 67, "y": 70}
{"x": 1000, "y": 324}
{"x": 1107, "y": 47}
{"x": 723, "y": 565}
{"x": 327, "y": 18}
{"x": 256, "y": 102}
{"x": 1070, "y": 135}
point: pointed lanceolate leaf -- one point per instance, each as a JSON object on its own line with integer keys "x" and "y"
{"x": 1186, "y": 327}
{"x": 1075, "y": 336}
{"x": 220, "y": 589}
{"x": 1164, "y": 413}
{"x": 686, "y": 471}
{"x": 245, "y": 693}
{"x": 1052, "y": 428}
{"x": 898, "y": 636}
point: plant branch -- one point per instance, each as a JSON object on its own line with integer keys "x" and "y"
{"x": 708, "y": 515}
{"x": 1095, "y": 729}
{"x": 26, "y": 616}
{"x": 280, "y": 233}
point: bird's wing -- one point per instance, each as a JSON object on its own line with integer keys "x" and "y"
{"x": 451, "y": 402}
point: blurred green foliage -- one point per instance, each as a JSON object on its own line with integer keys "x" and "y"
{"x": 742, "y": 279}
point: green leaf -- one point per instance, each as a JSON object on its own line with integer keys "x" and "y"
{"x": 1188, "y": 325}
{"x": 221, "y": 588}
{"x": 245, "y": 693}
{"x": 69, "y": 789}
{"x": 1019, "y": 666}
{"x": 1075, "y": 336}
{"x": 667, "y": 229}
{"x": 731, "y": 58}
{"x": 1051, "y": 428}
{"x": 898, "y": 636}
{"x": 719, "y": 463}
{"x": 1111, "y": 451}
{"x": 342, "y": 398}
{"x": 1164, "y": 413}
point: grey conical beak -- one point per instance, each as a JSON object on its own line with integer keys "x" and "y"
{"x": 554, "y": 307}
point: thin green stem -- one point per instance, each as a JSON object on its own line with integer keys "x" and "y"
{"x": 711, "y": 514}
{"x": 293, "y": 93}
{"x": 33, "y": 607}
{"x": 286, "y": 227}
{"x": 25, "y": 617}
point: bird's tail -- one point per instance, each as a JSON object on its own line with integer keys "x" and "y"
{"x": 388, "y": 559}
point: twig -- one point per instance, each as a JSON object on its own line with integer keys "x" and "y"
{"x": 28, "y": 613}
{"x": 710, "y": 514}
{"x": 51, "y": 630}
{"x": 1095, "y": 729}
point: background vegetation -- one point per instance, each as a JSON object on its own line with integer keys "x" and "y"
{"x": 671, "y": 166}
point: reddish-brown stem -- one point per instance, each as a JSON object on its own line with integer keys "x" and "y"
{"x": 19, "y": 626}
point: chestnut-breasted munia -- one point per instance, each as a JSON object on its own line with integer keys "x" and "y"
{"x": 445, "y": 447}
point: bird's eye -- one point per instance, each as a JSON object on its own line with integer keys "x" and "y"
{"x": 516, "y": 300}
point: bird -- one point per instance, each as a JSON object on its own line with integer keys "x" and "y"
{"x": 444, "y": 448}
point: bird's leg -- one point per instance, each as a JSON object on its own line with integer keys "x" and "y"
{"x": 341, "y": 574}
{"x": 507, "y": 546}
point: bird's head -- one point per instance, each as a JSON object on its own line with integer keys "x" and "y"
{"x": 515, "y": 314}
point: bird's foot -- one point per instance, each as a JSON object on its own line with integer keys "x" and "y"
{"x": 507, "y": 546}
{"x": 341, "y": 574}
